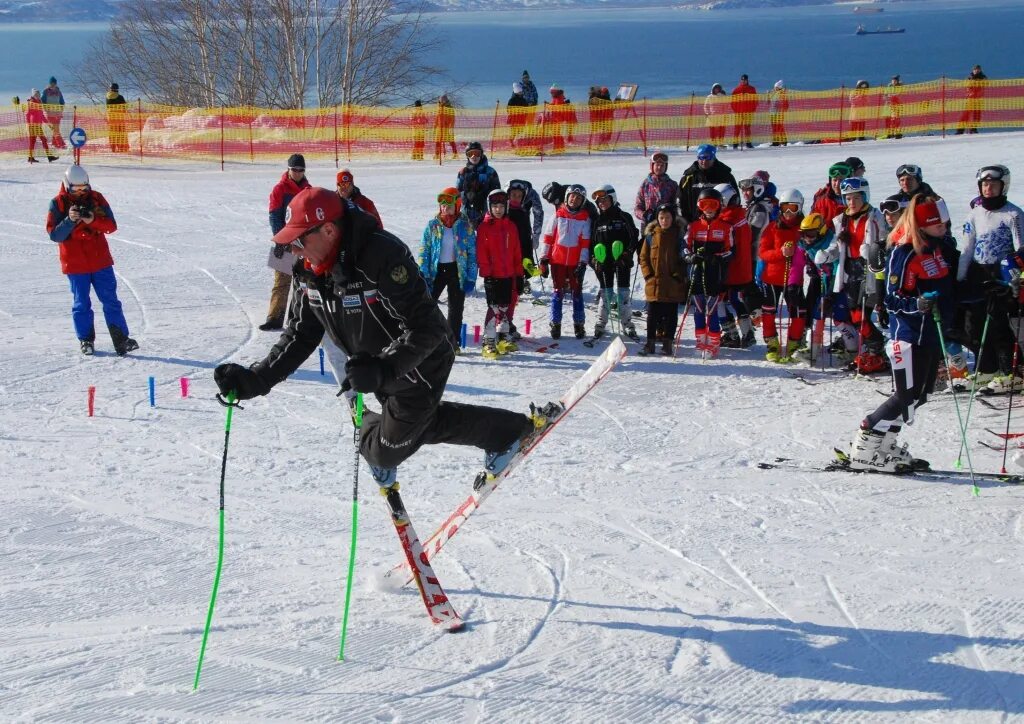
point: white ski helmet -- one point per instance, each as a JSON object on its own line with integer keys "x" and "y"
{"x": 75, "y": 176}
{"x": 793, "y": 196}
{"x": 606, "y": 190}
{"x": 517, "y": 87}
{"x": 996, "y": 173}
{"x": 854, "y": 185}
{"x": 728, "y": 193}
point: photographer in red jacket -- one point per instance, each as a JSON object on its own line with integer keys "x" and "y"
{"x": 79, "y": 220}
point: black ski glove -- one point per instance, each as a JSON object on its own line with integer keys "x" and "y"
{"x": 245, "y": 383}
{"x": 279, "y": 250}
{"x": 366, "y": 372}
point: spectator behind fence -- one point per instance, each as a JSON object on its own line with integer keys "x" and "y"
{"x": 715, "y": 111}
{"x": 892, "y": 119}
{"x": 419, "y": 130}
{"x": 778, "y": 105}
{"x": 744, "y": 104}
{"x": 860, "y": 109}
{"x": 292, "y": 181}
{"x": 517, "y": 117}
{"x": 560, "y": 119}
{"x": 444, "y": 128}
{"x": 53, "y": 105}
{"x": 116, "y": 120}
{"x": 529, "y": 89}
{"x": 34, "y": 117}
{"x": 975, "y": 91}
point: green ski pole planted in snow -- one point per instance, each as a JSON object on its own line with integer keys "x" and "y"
{"x": 231, "y": 404}
{"x": 357, "y": 419}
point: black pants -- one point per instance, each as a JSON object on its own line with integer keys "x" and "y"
{"x": 661, "y": 320}
{"x": 419, "y": 417}
{"x": 448, "y": 278}
{"x": 913, "y": 375}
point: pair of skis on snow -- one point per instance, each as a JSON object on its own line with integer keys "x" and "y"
{"x": 842, "y": 464}
{"x": 417, "y": 566}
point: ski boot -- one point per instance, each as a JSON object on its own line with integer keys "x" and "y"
{"x": 892, "y": 448}
{"x": 668, "y": 347}
{"x": 88, "y": 348}
{"x": 1002, "y": 384}
{"x": 867, "y": 363}
{"x": 31, "y": 159}
{"x": 647, "y": 349}
{"x": 540, "y": 418}
{"x": 489, "y": 350}
{"x": 123, "y": 344}
{"x": 598, "y": 330}
{"x": 866, "y": 453}
{"x": 579, "y": 330}
{"x": 556, "y": 330}
{"x": 791, "y": 348}
{"x": 513, "y": 333}
{"x": 506, "y": 345}
{"x": 772, "y": 343}
{"x": 731, "y": 335}
{"x": 630, "y": 331}
{"x": 272, "y": 324}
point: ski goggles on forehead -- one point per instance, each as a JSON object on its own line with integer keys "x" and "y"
{"x": 908, "y": 169}
{"x": 789, "y": 208}
{"x": 839, "y": 170}
{"x": 892, "y": 206}
{"x": 661, "y": 158}
{"x": 497, "y": 199}
{"x": 447, "y": 199}
{"x": 747, "y": 183}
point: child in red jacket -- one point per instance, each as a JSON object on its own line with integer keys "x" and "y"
{"x": 499, "y": 257}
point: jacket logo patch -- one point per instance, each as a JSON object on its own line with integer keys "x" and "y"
{"x": 399, "y": 274}
{"x": 894, "y": 279}
{"x": 370, "y": 296}
{"x": 314, "y": 295}
{"x": 351, "y": 300}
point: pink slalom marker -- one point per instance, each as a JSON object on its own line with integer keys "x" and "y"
{"x": 476, "y": 334}
{"x": 529, "y": 324}
{"x": 92, "y": 399}
{"x": 184, "y": 386}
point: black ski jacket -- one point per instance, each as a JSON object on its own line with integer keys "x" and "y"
{"x": 695, "y": 179}
{"x": 372, "y": 300}
{"x": 611, "y": 226}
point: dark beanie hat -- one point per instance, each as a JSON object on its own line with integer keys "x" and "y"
{"x": 296, "y": 160}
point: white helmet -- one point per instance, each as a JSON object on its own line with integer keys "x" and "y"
{"x": 517, "y": 87}
{"x": 606, "y": 190}
{"x": 996, "y": 173}
{"x": 793, "y": 196}
{"x": 728, "y": 193}
{"x": 75, "y": 176}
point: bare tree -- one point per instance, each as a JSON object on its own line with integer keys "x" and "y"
{"x": 268, "y": 53}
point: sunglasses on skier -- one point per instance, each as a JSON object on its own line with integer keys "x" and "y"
{"x": 892, "y": 206}
{"x": 908, "y": 169}
{"x": 789, "y": 208}
{"x": 299, "y": 243}
{"x": 447, "y": 199}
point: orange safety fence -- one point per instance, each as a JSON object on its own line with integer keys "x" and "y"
{"x": 143, "y": 131}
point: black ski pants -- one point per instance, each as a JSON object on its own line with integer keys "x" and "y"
{"x": 417, "y": 416}
{"x": 448, "y": 278}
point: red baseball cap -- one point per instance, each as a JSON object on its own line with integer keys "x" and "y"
{"x": 310, "y": 207}
{"x": 345, "y": 175}
{"x": 927, "y": 214}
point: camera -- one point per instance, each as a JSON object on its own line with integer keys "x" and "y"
{"x": 85, "y": 208}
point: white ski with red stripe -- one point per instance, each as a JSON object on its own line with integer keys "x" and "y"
{"x": 486, "y": 484}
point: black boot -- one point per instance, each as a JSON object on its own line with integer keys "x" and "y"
{"x": 556, "y": 330}
{"x": 272, "y": 325}
{"x": 123, "y": 344}
{"x": 87, "y": 347}
{"x": 579, "y": 330}
{"x": 647, "y": 349}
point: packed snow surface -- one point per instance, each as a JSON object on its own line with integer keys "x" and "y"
{"x": 638, "y": 567}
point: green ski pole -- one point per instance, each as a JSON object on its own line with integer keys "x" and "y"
{"x": 937, "y": 316}
{"x": 357, "y": 419}
{"x": 231, "y": 403}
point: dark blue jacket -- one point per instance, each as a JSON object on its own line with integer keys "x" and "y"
{"x": 910, "y": 275}
{"x": 474, "y": 183}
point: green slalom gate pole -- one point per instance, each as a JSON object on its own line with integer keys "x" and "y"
{"x": 357, "y": 419}
{"x": 937, "y": 316}
{"x": 231, "y": 404}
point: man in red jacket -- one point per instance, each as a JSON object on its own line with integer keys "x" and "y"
{"x": 744, "y": 103}
{"x": 292, "y": 182}
{"x": 79, "y": 220}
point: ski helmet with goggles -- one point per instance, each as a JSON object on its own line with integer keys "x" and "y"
{"x": 910, "y": 169}
{"x": 575, "y": 189}
{"x": 753, "y": 183}
{"x": 855, "y": 185}
{"x": 995, "y": 173}
{"x": 75, "y": 176}
{"x": 710, "y": 200}
{"x": 706, "y": 151}
{"x": 659, "y": 156}
{"x": 893, "y": 204}
{"x": 606, "y": 190}
{"x": 728, "y": 193}
{"x": 497, "y": 197}
{"x": 519, "y": 184}
{"x": 793, "y": 196}
{"x": 813, "y": 223}
{"x": 474, "y": 146}
{"x": 839, "y": 170}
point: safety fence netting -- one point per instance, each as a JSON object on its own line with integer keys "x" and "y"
{"x": 435, "y": 132}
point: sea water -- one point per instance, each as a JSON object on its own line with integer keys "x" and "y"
{"x": 667, "y": 53}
